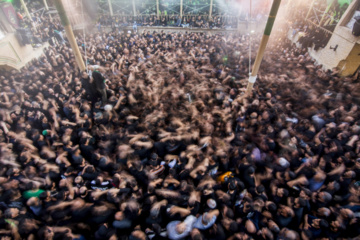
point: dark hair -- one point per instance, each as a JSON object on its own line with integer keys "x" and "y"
{"x": 260, "y": 189}
{"x": 302, "y": 202}
{"x": 69, "y": 169}
{"x": 241, "y": 185}
{"x": 272, "y": 207}
{"x": 233, "y": 228}
{"x": 197, "y": 237}
{"x": 336, "y": 186}
{"x": 292, "y": 175}
{"x": 98, "y": 181}
{"x": 151, "y": 189}
{"x": 43, "y": 196}
{"x": 232, "y": 185}
{"x": 30, "y": 186}
{"x": 306, "y": 191}
{"x": 10, "y": 172}
{"x": 323, "y": 223}
{"x": 60, "y": 195}
{"x": 286, "y": 192}
{"x": 229, "y": 213}
{"x": 116, "y": 180}
{"x": 90, "y": 169}
{"x": 41, "y": 232}
{"x": 307, "y": 233}
{"x": 250, "y": 170}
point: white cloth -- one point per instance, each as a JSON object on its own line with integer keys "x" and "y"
{"x": 171, "y": 228}
{"x": 200, "y": 225}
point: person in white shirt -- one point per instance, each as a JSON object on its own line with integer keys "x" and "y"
{"x": 206, "y": 220}
{"x": 179, "y": 230}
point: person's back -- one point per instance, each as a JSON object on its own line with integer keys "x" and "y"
{"x": 178, "y": 21}
{"x": 89, "y": 86}
{"x": 99, "y": 79}
{"x": 99, "y": 82}
{"x": 179, "y": 230}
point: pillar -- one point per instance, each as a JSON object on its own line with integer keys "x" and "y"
{"x": 45, "y": 4}
{"x": 28, "y": 14}
{"x": 181, "y": 8}
{"x": 110, "y": 8}
{"x": 210, "y": 11}
{"x": 70, "y": 35}
{"x": 134, "y": 7}
{"x": 311, "y": 6}
{"x": 262, "y": 47}
{"x": 157, "y": 8}
{"x": 326, "y": 11}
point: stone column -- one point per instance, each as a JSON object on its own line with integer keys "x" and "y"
{"x": 110, "y": 8}
{"x": 70, "y": 34}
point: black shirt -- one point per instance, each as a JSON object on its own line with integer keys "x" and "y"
{"x": 90, "y": 88}
{"x": 99, "y": 80}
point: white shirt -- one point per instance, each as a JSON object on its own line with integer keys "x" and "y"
{"x": 200, "y": 225}
{"x": 171, "y": 228}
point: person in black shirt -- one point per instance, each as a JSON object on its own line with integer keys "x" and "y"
{"x": 89, "y": 86}
{"x": 99, "y": 82}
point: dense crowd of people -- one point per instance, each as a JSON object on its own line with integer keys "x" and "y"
{"x": 309, "y": 34}
{"x": 158, "y": 140}
{"x": 168, "y": 7}
{"x": 189, "y": 21}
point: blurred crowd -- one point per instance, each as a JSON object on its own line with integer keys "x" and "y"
{"x": 158, "y": 140}
{"x": 188, "y": 21}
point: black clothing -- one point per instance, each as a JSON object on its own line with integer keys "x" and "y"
{"x": 99, "y": 80}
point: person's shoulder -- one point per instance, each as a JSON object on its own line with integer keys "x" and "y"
{"x": 171, "y": 226}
